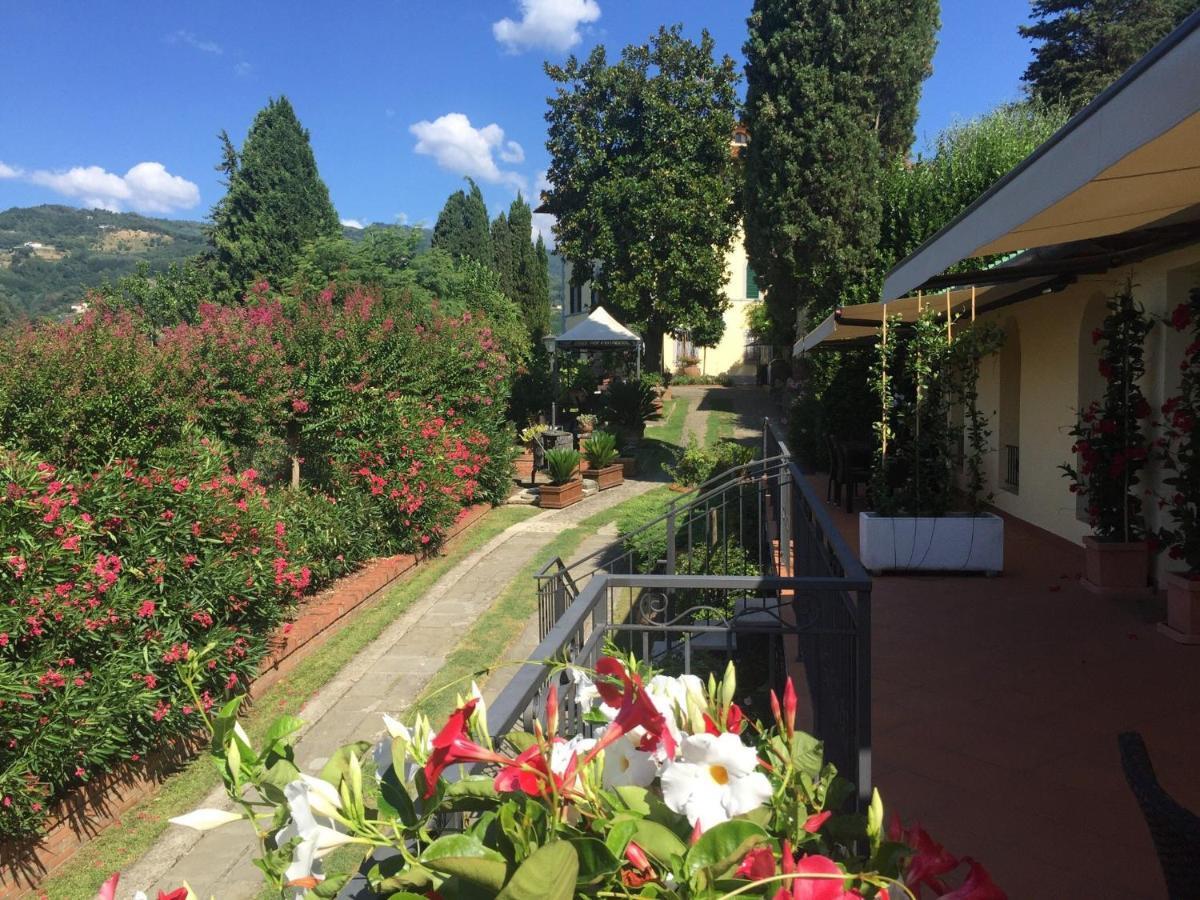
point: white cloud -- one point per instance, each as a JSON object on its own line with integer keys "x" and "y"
{"x": 242, "y": 69}
{"x": 463, "y": 149}
{"x": 187, "y": 37}
{"x": 401, "y": 218}
{"x": 353, "y": 223}
{"x": 9, "y": 171}
{"x": 147, "y": 187}
{"x": 549, "y": 24}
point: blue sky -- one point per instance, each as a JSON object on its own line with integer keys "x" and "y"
{"x": 119, "y": 104}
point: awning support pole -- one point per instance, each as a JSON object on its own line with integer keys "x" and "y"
{"x": 949, "y": 328}
{"x": 972, "y": 304}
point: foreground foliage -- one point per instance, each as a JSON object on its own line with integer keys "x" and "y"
{"x": 668, "y": 791}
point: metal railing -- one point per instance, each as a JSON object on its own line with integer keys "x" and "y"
{"x": 1012, "y": 467}
{"x": 752, "y": 551}
{"x": 805, "y": 612}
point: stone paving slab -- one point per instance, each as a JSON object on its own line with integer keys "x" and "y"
{"x": 386, "y": 676}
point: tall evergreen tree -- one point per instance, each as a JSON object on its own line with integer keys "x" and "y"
{"x": 832, "y": 91}
{"x": 538, "y": 312}
{"x": 1085, "y": 45}
{"x": 906, "y": 36}
{"x": 275, "y": 202}
{"x": 502, "y": 255}
{"x": 644, "y": 182}
{"x": 462, "y": 227}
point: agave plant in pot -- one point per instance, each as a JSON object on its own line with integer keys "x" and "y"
{"x": 564, "y": 488}
{"x": 600, "y": 451}
{"x": 1181, "y": 459}
{"x": 1111, "y": 443}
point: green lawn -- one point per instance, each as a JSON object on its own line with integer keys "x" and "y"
{"x": 141, "y": 826}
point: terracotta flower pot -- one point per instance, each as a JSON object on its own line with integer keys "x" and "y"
{"x": 558, "y": 496}
{"x": 526, "y": 463}
{"x": 1116, "y": 568}
{"x": 609, "y": 476}
{"x": 691, "y": 371}
{"x": 1183, "y": 609}
{"x": 628, "y": 465}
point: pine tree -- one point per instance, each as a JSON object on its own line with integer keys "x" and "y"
{"x": 462, "y": 227}
{"x": 1085, "y": 45}
{"x": 275, "y": 203}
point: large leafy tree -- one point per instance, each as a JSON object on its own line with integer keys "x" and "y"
{"x": 1084, "y": 45}
{"x": 644, "y": 184}
{"x": 275, "y": 203}
{"x": 462, "y": 227}
{"x": 832, "y": 87}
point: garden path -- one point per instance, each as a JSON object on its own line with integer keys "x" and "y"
{"x": 386, "y": 676}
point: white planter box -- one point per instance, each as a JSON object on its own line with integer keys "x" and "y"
{"x": 953, "y": 543}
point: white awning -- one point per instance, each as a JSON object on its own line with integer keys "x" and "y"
{"x": 1128, "y": 161}
{"x": 597, "y": 332}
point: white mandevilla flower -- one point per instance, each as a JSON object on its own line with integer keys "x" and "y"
{"x": 562, "y": 751}
{"x": 625, "y": 764}
{"x": 586, "y": 694}
{"x": 714, "y": 780}
{"x": 417, "y": 748}
{"x": 308, "y": 798}
{"x": 206, "y": 819}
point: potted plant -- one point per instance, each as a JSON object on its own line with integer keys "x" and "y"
{"x": 921, "y": 520}
{"x": 532, "y": 450}
{"x": 564, "y": 488}
{"x": 1112, "y": 448}
{"x": 1181, "y": 457}
{"x": 586, "y": 423}
{"x": 628, "y": 404}
{"x": 600, "y": 451}
{"x": 689, "y": 364}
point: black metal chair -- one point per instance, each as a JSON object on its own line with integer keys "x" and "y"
{"x": 1175, "y": 830}
{"x": 834, "y": 488}
{"x": 854, "y": 468}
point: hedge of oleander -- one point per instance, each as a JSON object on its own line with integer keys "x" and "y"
{"x": 169, "y": 495}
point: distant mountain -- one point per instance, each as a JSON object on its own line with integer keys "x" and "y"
{"x": 50, "y": 255}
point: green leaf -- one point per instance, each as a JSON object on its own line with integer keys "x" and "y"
{"x": 475, "y": 792}
{"x": 596, "y": 860}
{"x": 808, "y": 754}
{"x": 281, "y": 728}
{"x": 521, "y": 740}
{"x": 394, "y": 799}
{"x": 451, "y": 845}
{"x": 619, "y": 836}
{"x": 339, "y": 764}
{"x": 724, "y": 845}
{"x": 549, "y": 874}
{"x": 659, "y": 841}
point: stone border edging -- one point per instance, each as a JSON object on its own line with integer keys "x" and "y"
{"x": 97, "y": 805}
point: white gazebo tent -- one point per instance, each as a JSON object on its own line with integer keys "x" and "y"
{"x": 599, "y": 331}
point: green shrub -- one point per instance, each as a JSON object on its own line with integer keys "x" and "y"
{"x": 692, "y": 465}
{"x": 600, "y": 450}
{"x": 562, "y": 464}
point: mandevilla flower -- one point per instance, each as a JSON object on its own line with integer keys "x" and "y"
{"x": 716, "y": 779}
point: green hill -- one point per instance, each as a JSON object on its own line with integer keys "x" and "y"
{"x": 50, "y": 255}
{"x": 82, "y": 248}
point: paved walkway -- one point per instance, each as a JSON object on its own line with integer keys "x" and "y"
{"x": 386, "y": 676}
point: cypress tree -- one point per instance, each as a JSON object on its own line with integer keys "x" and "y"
{"x": 462, "y": 227}
{"x": 276, "y": 201}
{"x": 502, "y": 255}
{"x": 832, "y": 90}
{"x": 538, "y": 314}
{"x": 1085, "y": 45}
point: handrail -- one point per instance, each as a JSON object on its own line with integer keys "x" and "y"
{"x": 849, "y": 562}
{"x": 728, "y": 478}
